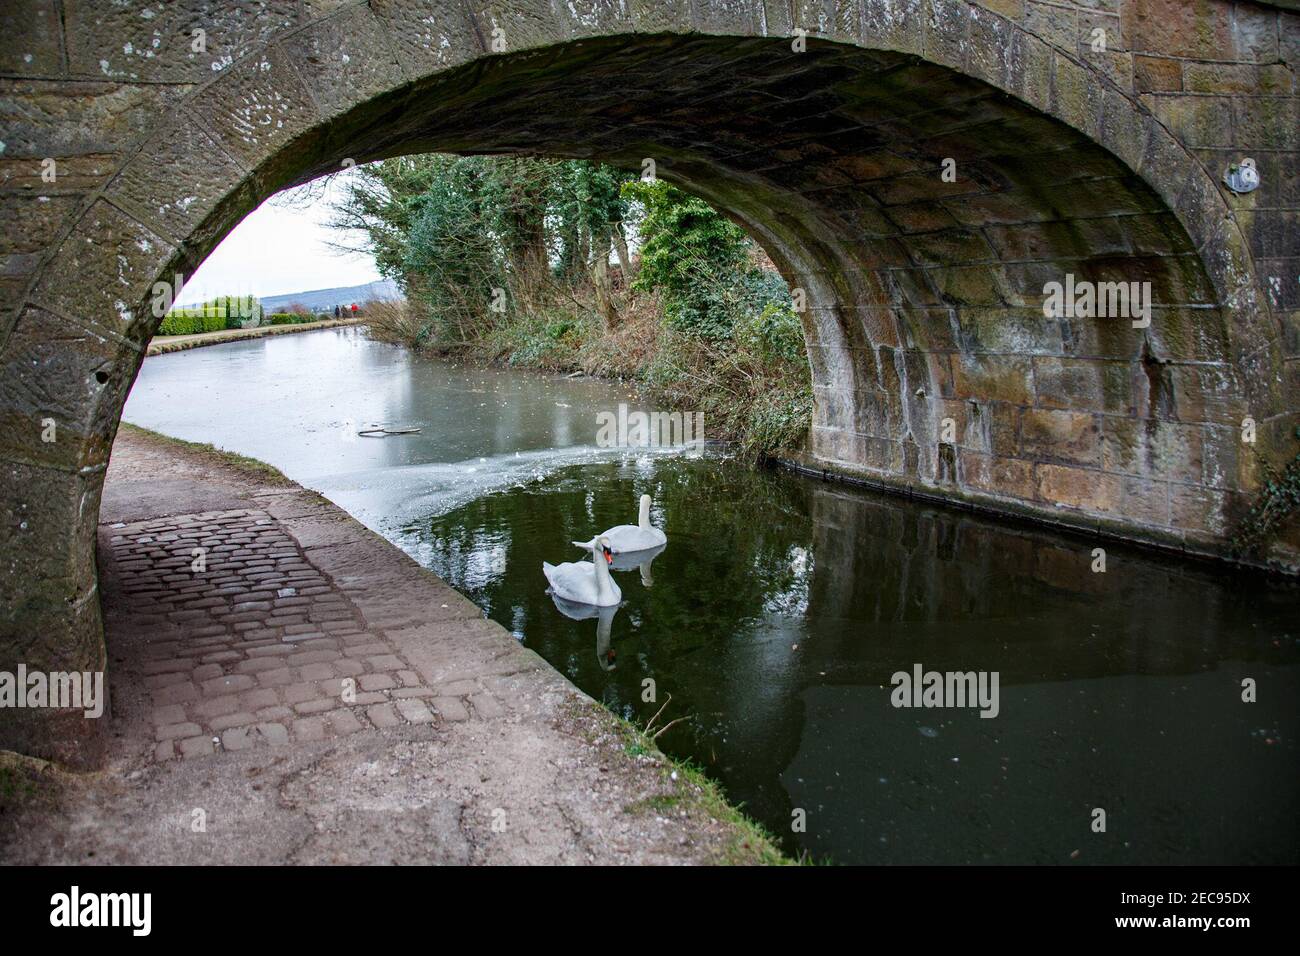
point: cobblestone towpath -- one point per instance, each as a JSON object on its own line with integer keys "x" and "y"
{"x": 288, "y": 687}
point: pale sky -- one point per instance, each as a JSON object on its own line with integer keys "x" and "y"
{"x": 281, "y": 247}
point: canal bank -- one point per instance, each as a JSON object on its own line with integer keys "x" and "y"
{"x": 1283, "y": 557}
{"x": 162, "y": 344}
{"x": 287, "y": 687}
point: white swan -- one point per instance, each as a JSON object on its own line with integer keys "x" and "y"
{"x": 583, "y": 582}
{"x": 636, "y": 537}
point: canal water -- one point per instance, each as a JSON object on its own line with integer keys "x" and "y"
{"x": 782, "y": 607}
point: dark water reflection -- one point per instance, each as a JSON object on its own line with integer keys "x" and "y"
{"x": 781, "y": 607}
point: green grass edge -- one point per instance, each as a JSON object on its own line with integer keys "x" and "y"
{"x": 749, "y": 844}
{"x": 253, "y": 466}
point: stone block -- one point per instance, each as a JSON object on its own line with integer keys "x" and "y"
{"x": 1207, "y": 393}
{"x": 1076, "y": 95}
{"x": 1177, "y": 28}
{"x": 1011, "y": 477}
{"x": 892, "y": 24}
{"x": 512, "y": 26}
{"x": 414, "y": 710}
{"x": 1263, "y": 123}
{"x": 449, "y": 708}
{"x": 1080, "y": 488}
{"x": 179, "y": 180}
{"x": 1194, "y": 508}
{"x": 219, "y": 686}
{"x": 1146, "y": 501}
{"x": 1221, "y": 78}
{"x": 54, "y": 372}
{"x": 1084, "y": 385}
{"x": 1170, "y": 451}
{"x": 1157, "y": 74}
{"x": 990, "y": 49}
{"x": 347, "y": 59}
{"x": 1196, "y": 120}
{"x": 93, "y": 121}
{"x": 48, "y": 616}
{"x": 1124, "y": 128}
{"x": 29, "y": 37}
{"x": 993, "y": 378}
{"x": 1029, "y": 73}
{"x": 968, "y": 285}
{"x": 196, "y": 746}
{"x": 309, "y": 728}
{"x": 103, "y": 273}
{"x": 344, "y": 722}
{"x": 116, "y": 41}
{"x": 1050, "y": 435}
{"x": 257, "y": 107}
{"x": 383, "y": 716}
{"x": 737, "y": 17}
{"x": 370, "y": 682}
{"x": 674, "y": 16}
{"x": 945, "y": 27}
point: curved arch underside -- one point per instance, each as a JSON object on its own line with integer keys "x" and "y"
{"x": 933, "y": 363}
{"x": 935, "y": 369}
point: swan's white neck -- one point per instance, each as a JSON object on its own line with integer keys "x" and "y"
{"x": 604, "y": 583}
{"x": 643, "y": 521}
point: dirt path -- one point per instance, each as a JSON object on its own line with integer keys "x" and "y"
{"x": 311, "y": 695}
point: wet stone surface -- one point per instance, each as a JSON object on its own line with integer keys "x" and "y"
{"x": 247, "y": 643}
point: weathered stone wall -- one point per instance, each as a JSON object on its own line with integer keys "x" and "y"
{"x": 924, "y": 296}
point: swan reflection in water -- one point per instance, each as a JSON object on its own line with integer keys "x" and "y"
{"x": 604, "y": 619}
{"x": 640, "y": 560}
{"x": 605, "y": 655}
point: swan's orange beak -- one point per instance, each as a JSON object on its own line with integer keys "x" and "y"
{"x": 609, "y": 556}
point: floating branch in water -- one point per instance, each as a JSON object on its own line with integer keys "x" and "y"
{"x": 377, "y": 430}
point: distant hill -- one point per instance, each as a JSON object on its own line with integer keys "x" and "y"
{"x": 324, "y": 300}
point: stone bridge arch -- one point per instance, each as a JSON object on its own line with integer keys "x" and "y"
{"x": 924, "y": 296}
